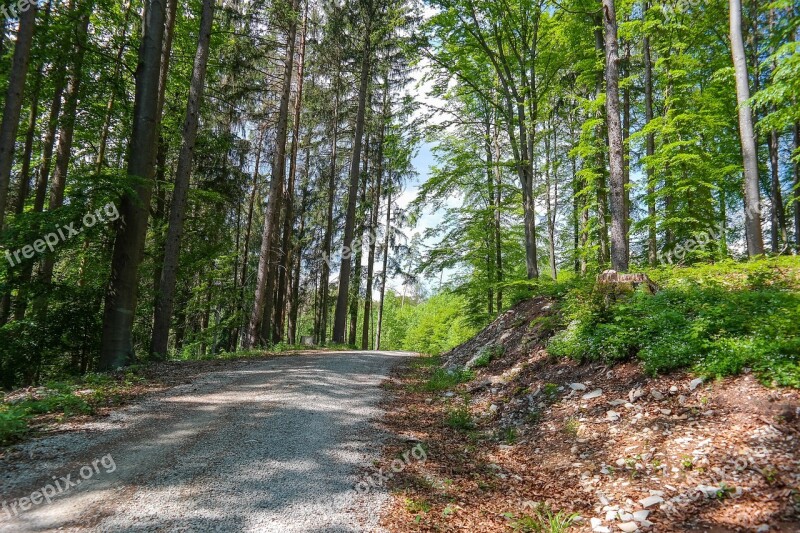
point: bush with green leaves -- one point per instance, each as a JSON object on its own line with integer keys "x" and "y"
{"x": 715, "y": 319}
{"x": 13, "y": 423}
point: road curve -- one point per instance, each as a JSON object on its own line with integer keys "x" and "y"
{"x": 263, "y": 445}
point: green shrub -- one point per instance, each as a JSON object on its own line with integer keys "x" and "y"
{"x": 460, "y": 418}
{"x": 714, "y": 319}
{"x": 13, "y": 424}
{"x": 544, "y": 520}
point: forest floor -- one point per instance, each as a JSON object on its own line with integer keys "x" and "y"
{"x": 276, "y": 444}
{"x": 526, "y": 442}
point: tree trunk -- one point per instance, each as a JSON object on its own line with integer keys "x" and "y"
{"x": 265, "y": 283}
{"x": 650, "y": 148}
{"x": 778, "y": 218}
{"x": 498, "y": 242}
{"x": 13, "y": 103}
{"x": 325, "y": 268}
{"x": 25, "y": 188}
{"x": 297, "y": 252}
{"x": 65, "y": 138}
{"x": 120, "y": 305}
{"x": 551, "y": 205}
{"x": 340, "y": 317}
{"x": 373, "y": 223}
{"x": 166, "y": 294}
{"x": 604, "y": 254}
{"x": 385, "y": 265}
{"x": 355, "y": 284}
{"x": 755, "y": 241}
{"x": 490, "y": 192}
{"x": 619, "y": 236}
{"x": 285, "y": 272}
{"x": 797, "y": 187}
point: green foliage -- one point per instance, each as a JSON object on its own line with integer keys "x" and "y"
{"x": 488, "y": 354}
{"x": 13, "y": 423}
{"x": 429, "y": 327}
{"x": 460, "y": 418}
{"x": 544, "y": 520}
{"x": 444, "y": 379}
{"x": 715, "y": 319}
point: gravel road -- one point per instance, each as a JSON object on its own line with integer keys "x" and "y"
{"x": 267, "y": 445}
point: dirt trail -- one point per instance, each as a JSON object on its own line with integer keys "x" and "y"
{"x": 269, "y": 445}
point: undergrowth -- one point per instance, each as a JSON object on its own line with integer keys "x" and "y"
{"x": 716, "y": 320}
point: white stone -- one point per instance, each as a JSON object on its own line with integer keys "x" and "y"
{"x": 635, "y": 394}
{"x": 616, "y": 403}
{"x": 695, "y": 383}
{"x": 592, "y": 395}
{"x": 595, "y": 522}
{"x": 650, "y": 501}
{"x": 629, "y": 527}
{"x": 639, "y": 516}
{"x": 601, "y": 529}
{"x": 673, "y": 389}
{"x": 656, "y": 394}
{"x": 613, "y": 416}
{"x": 577, "y": 386}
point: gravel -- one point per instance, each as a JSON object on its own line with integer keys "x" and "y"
{"x": 268, "y": 445}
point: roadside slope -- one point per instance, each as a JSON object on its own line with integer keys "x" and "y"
{"x": 526, "y": 434}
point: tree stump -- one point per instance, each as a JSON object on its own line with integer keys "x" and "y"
{"x": 614, "y": 278}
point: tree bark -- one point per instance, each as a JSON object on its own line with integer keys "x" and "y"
{"x": 550, "y": 203}
{"x": 285, "y": 273}
{"x": 120, "y": 305}
{"x": 619, "y": 236}
{"x": 261, "y": 317}
{"x": 385, "y": 265}
{"x": 325, "y": 268}
{"x": 165, "y": 297}
{"x": 650, "y": 149}
{"x": 13, "y": 103}
{"x": 373, "y": 223}
{"x": 355, "y": 283}
{"x": 797, "y": 188}
{"x": 777, "y": 218}
{"x": 752, "y": 215}
{"x": 65, "y": 138}
{"x": 340, "y": 317}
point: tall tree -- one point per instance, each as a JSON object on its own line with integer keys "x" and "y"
{"x": 13, "y": 102}
{"x": 261, "y": 317}
{"x": 340, "y": 317}
{"x": 121, "y": 298}
{"x": 752, "y": 200}
{"x": 616, "y": 156}
{"x": 177, "y": 214}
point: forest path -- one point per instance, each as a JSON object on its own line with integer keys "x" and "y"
{"x": 267, "y": 445}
